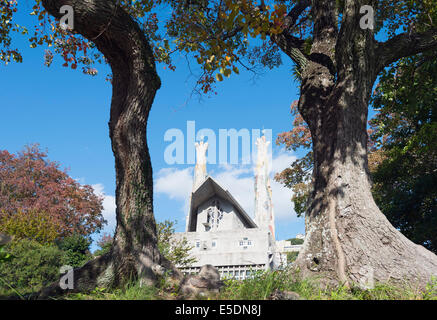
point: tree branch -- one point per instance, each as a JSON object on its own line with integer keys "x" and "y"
{"x": 289, "y": 44}
{"x": 291, "y": 18}
{"x": 404, "y": 45}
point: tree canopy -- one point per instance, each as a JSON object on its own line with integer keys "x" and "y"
{"x": 223, "y": 36}
{"x": 177, "y": 251}
{"x": 405, "y": 147}
{"x": 41, "y": 202}
{"x": 402, "y": 149}
{"x": 337, "y": 60}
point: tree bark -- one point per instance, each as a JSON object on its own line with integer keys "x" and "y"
{"x": 134, "y": 253}
{"x": 348, "y": 239}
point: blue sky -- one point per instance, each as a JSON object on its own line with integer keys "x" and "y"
{"x": 67, "y": 112}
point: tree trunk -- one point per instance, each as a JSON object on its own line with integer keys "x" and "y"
{"x": 134, "y": 253}
{"x": 348, "y": 239}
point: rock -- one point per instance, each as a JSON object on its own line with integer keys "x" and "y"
{"x": 199, "y": 282}
{"x": 206, "y": 282}
{"x": 209, "y": 272}
{"x": 284, "y": 295}
{"x": 158, "y": 269}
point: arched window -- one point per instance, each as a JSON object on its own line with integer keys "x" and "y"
{"x": 217, "y": 212}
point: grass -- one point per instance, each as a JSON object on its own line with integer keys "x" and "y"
{"x": 164, "y": 290}
{"x": 263, "y": 284}
{"x": 132, "y": 291}
{"x": 260, "y": 287}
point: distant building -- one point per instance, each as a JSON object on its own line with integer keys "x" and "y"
{"x": 219, "y": 229}
{"x": 284, "y": 246}
{"x": 223, "y": 234}
{"x": 300, "y": 236}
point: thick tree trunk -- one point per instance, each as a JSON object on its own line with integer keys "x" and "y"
{"x": 134, "y": 253}
{"x": 348, "y": 239}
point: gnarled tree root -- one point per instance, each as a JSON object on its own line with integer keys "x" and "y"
{"x": 100, "y": 272}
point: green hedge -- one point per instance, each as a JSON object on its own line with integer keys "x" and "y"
{"x": 76, "y": 248}
{"x": 32, "y": 267}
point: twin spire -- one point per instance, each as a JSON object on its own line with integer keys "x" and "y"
{"x": 264, "y": 217}
{"x": 200, "y": 174}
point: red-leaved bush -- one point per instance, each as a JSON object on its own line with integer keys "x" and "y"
{"x": 29, "y": 182}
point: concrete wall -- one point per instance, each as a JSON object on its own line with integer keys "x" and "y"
{"x": 286, "y": 246}
{"x": 225, "y": 242}
{"x": 228, "y": 247}
{"x": 228, "y": 220}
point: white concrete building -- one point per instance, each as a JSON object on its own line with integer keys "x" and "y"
{"x": 219, "y": 229}
{"x": 284, "y": 246}
{"x": 300, "y": 236}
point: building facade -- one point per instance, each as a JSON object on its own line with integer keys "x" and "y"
{"x": 221, "y": 232}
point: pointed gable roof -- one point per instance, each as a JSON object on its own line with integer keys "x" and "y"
{"x": 204, "y": 192}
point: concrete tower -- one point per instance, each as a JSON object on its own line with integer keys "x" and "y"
{"x": 200, "y": 174}
{"x": 200, "y": 168}
{"x": 264, "y": 216}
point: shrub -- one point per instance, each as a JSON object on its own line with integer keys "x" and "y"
{"x": 4, "y": 256}
{"x": 76, "y": 249}
{"x": 29, "y": 181}
{"x": 296, "y": 241}
{"x": 33, "y": 266}
{"x": 292, "y": 256}
{"x": 176, "y": 251}
{"x": 31, "y": 225}
{"x": 105, "y": 244}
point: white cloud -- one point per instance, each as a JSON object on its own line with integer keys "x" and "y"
{"x": 281, "y": 195}
{"x": 282, "y": 160}
{"x": 109, "y": 207}
{"x": 239, "y": 180}
{"x": 175, "y": 183}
